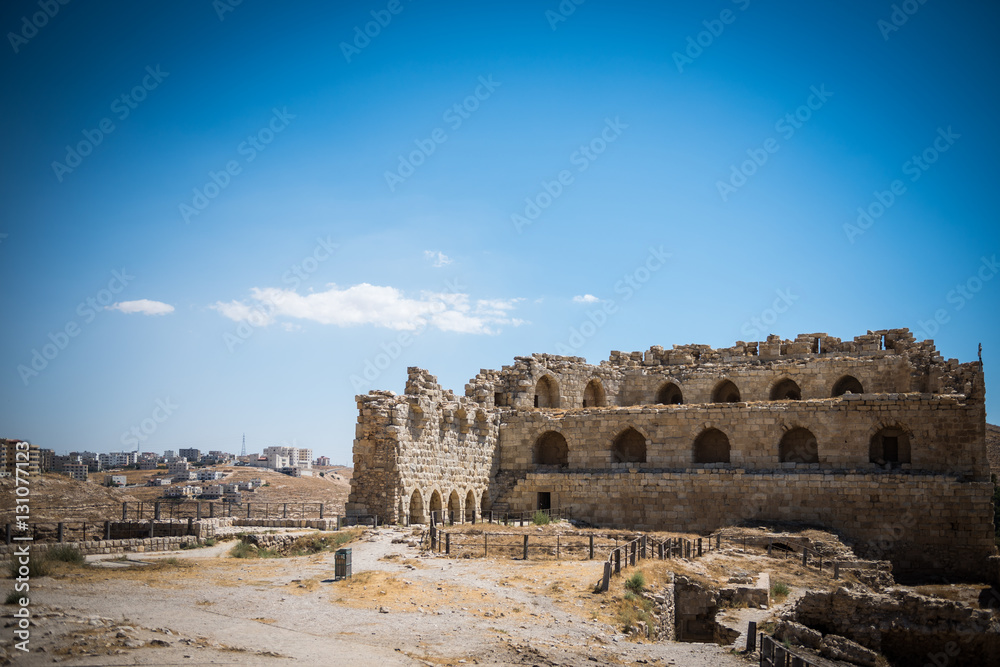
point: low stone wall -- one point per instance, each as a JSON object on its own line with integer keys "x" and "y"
{"x": 319, "y": 524}
{"x": 92, "y": 547}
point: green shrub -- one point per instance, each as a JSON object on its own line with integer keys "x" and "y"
{"x": 636, "y": 583}
{"x": 540, "y": 518}
{"x": 780, "y": 590}
{"x": 66, "y": 553}
{"x": 243, "y": 550}
{"x": 13, "y": 598}
{"x": 38, "y": 566}
{"x": 210, "y": 542}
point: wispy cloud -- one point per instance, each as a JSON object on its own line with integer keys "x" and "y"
{"x": 144, "y": 306}
{"x": 380, "y": 306}
{"x": 438, "y": 258}
{"x": 586, "y": 298}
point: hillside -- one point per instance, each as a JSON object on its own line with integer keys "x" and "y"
{"x": 55, "y": 497}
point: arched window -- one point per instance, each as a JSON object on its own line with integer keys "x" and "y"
{"x": 786, "y": 390}
{"x": 551, "y": 449}
{"x": 629, "y": 447}
{"x": 847, "y": 384}
{"x": 470, "y": 507}
{"x": 417, "y": 508}
{"x": 798, "y": 446}
{"x": 593, "y": 395}
{"x": 454, "y": 507}
{"x": 890, "y": 446}
{"x": 711, "y": 446}
{"x": 546, "y": 393}
{"x": 726, "y": 392}
{"x": 669, "y": 394}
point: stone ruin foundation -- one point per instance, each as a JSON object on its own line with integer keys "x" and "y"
{"x": 878, "y": 439}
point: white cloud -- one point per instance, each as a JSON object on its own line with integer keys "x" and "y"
{"x": 376, "y": 305}
{"x": 586, "y": 298}
{"x": 144, "y": 306}
{"x": 438, "y": 258}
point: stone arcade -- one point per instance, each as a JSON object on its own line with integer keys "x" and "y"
{"x": 878, "y": 438}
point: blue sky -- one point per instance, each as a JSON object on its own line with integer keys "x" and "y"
{"x": 217, "y": 218}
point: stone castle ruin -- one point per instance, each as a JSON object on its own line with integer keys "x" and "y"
{"x": 878, "y": 438}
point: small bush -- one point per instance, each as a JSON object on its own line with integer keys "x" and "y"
{"x": 780, "y": 590}
{"x": 636, "y": 583}
{"x": 38, "y": 566}
{"x": 243, "y": 550}
{"x": 13, "y": 598}
{"x": 66, "y": 554}
{"x": 540, "y": 518}
{"x": 210, "y": 542}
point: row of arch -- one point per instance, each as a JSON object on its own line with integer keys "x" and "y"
{"x": 419, "y": 511}
{"x": 889, "y": 445}
{"x": 726, "y": 391}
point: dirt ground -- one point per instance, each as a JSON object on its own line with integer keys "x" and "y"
{"x": 402, "y": 607}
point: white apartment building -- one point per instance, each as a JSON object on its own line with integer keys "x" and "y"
{"x": 178, "y": 466}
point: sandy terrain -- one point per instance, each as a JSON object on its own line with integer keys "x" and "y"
{"x": 402, "y": 608}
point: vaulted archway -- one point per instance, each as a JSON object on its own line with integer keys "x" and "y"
{"x": 629, "y": 447}
{"x": 546, "y": 392}
{"x": 786, "y": 390}
{"x": 890, "y": 446}
{"x": 669, "y": 394}
{"x": 798, "y": 445}
{"x": 417, "y": 508}
{"x": 593, "y": 394}
{"x": 711, "y": 446}
{"x": 551, "y": 449}
{"x": 726, "y": 392}
{"x": 847, "y": 385}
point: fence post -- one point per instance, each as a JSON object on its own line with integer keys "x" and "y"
{"x": 156, "y": 510}
{"x": 152, "y": 527}
{"x": 321, "y": 510}
{"x": 718, "y": 541}
{"x": 284, "y": 511}
{"x": 61, "y": 527}
{"x": 591, "y": 557}
{"x": 190, "y": 530}
{"x": 836, "y": 569}
{"x": 199, "y": 511}
{"x": 339, "y": 522}
{"x": 124, "y": 511}
{"x": 699, "y": 546}
{"x": 751, "y": 636}
{"x": 447, "y": 543}
{"x": 211, "y": 510}
{"x": 107, "y": 530}
{"x": 486, "y": 542}
{"x": 248, "y": 510}
{"x": 805, "y": 556}
{"x": 618, "y": 560}
{"x": 606, "y": 579}
{"x": 643, "y": 554}
{"x": 525, "y": 547}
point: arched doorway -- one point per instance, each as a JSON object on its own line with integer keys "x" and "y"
{"x": 669, "y": 394}
{"x": 436, "y": 505}
{"x": 593, "y": 394}
{"x": 726, "y": 392}
{"x": 470, "y": 507}
{"x": 798, "y": 446}
{"x": 417, "y": 508}
{"x": 890, "y": 446}
{"x": 454, "y": 507}
{"x": 551, "y": 449}
{"x": 847, "y": 385}
{"x": 546, "y": 392}
{"x": 786, "y": 390}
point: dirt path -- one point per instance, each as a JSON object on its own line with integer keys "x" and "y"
{"x": 402, "y": 608}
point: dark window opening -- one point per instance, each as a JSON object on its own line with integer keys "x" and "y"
{"x": 544, "y": 500}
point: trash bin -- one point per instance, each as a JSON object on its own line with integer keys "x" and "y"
{"x": 342, "y": 564}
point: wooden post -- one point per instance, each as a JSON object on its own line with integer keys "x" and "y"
{"x": 248, "y": 510}
{"x": 805, "y": 556}
{"x": 634, "y": 549}
{"x": 124, "y": 511}
{"x": 643, "y": 553}
{"x": 718, "y": 541}
{"x": 699, "y": 546}
{"x": 751, "y": 636}
{"x": 486, "y": 543}
{"x": 618, "y": 560}
{"x": 591, "y": 557}
{"x": 211, "y": 510}
{"x": 61, "y": 529}
{"x": 836, "y": 569}
{"x": 606, "y": 579}
{"x": 339, "y": 522}
{"x": 659, "y": 550}
{"x": 156, "y": 510}
{"x": 447, "y": 543}
{"x": 107, "y": 530}
{"x": 284, "y": 511}
{"x": 525, "y": 557}
{"x": 190, "y": 530}
{"x": 152, "y": 527}
{"x": 199, "y": 511}
{"x": 321, "y": 510}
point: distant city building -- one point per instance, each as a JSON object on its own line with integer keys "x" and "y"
{"x": 77, "y": 471}
{"x": 115, "y": 480}
{"x": 146, "y": 464}
{"x": 158, "y": 481}
{"x": 323, "y": 461}
{"x": 288, "y": 457}
{"x": 186, "y": 476}
{"x": 13, "y": 452}
{"x": 169, "y": 454}
{"x": 46, "y": 459}
{"x": 192, "y": 455}
{"x": 118, "y": 459}
{"x": 183, "y": 491}
{"x": 178, "y": 465}
{"x": 212, "y": 491}
{"x": 210, "y": 475}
